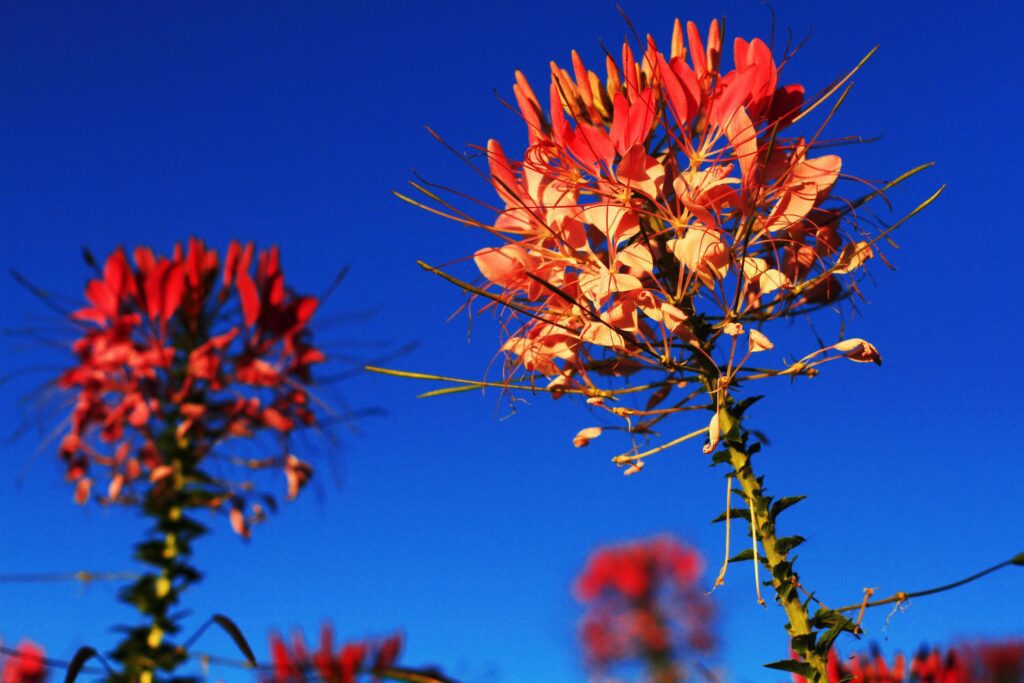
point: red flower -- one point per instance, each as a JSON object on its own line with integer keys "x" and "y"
{"x": 178, "y": 355}
{"x": 27, "y": 665}
{"x": 977, "y": 662}
{"x": 342, "y": 666}
{"x": 643, "y": 602}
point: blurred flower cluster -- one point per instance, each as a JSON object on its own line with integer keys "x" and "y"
{"x": 347, "y": 664}
{"x": 975, "y": 662}
{"x": 26, "y": 664}
{"x": 178, "y": 355}
{"x": 644, "y": 608}
{"x": 659, "y": 220}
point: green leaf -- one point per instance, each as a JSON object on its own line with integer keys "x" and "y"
{"x": 804, "y": 642}
{"x": 236, "y": 635}
{"x": 782, "y": 571}
{"x": 742, "y": 406}
{"x": 784, "y": 503}
{"x": 734, "y": 513}
{"x": 793, "y": 666}
{"x": 787, "y": 543}
{"x": 1018, "y": 560}
{"x": 721, "y": 456}
{"x": 83, "y": 655}
{"x": 743, "y": 555}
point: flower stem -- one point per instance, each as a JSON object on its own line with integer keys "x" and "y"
{"x": 783, "y": 578}
{"x": 146, "y": 649}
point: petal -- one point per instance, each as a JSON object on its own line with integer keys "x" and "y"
{"x": 584, "y": 436}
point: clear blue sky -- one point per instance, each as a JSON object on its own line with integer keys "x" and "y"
{"x": 291, "y": 123}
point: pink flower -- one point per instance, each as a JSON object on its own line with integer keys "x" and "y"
{"x": 643, "y": 602}
{"x": 657, "y": 207}
{"x": 347, "y": 664}
{"x": 27, "y": 665}
{"x": 178, "y": 354}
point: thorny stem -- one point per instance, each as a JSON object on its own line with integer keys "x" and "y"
{"x": 780, "y": 566}
{"x": 146, "y": 649}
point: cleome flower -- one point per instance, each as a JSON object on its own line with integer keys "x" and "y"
{"x": 179, "y": 355}
{"x": 352, "y": 662}
{"x": 25, "y": 664}
{"x": 972, "y": 662}
{"x": 644, "y": 605}
{"x": 660, "y": 212}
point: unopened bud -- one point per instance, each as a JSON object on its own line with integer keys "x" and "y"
{"x": 584, "y": 436}
{"x": 634, "y": 468}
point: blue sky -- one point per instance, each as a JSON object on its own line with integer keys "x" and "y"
{"x": 291, "y": 123}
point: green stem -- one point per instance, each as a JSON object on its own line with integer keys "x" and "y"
{"x": 783, "y": 579}
{"x": 147, "y": 649}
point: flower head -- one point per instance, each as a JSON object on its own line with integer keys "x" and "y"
{"x": 658, "y": 211}
{"x": 26, "y": 665}
{"x": 973, "y": 662}
{"x": 346, "y": 664}
{"x": 643, "y": 603}
{"x": 179, "y": 355}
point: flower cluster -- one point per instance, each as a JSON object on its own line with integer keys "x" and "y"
{"x": 26, "y": 664}
{"x": 979, "y": 662}
{"x": 660, "y": 218}
{"x": 296, "y": 664}
{"x": 180, "y": 354}
{"x": 644, "y": 605}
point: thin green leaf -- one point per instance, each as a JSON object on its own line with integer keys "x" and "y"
{"x": 783, "y": 504}
{"x": 83, "y": 655}
{"x": 236, "y": 635}
{"x": 742, "y": 556}
{"x": 793, "y": 666}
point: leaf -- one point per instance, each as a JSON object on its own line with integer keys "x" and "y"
{"x": 804, "y": 642}
{"x": 83, "y": 655}
{"x": 721, "y": 456}
{"x": 236, "y": 635}
{"x": 742, "y": 406}
{"x": 794, "y": 667}
{"x": 1018, "y": 560}
{"x": 658, "y": 396}
{"x": 783, "y": 504}
{"x": 734, "y": 513}
{"x": 787, "y": 543}
{"x": 743, "y": 555}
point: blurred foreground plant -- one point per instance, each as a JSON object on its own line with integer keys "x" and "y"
{"x": 178, "y": 357}
{"x": 644, "y": 606}
{"x": 24, "y": 664}
{"x": 972, "y": 662}
{"x": 660, "y": 226}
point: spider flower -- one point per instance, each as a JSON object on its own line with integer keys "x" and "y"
{"x": 974, "y": 662}
{"x": 26, "y": 664}
{"x": 644, "y": 605}
{"x": 662, "y": 211}
{"x": 179, "y": 355}
{"x": 347, "y": 664}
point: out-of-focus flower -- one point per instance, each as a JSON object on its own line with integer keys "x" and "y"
{"x": 644, "y": 606}
{"x": 26, "y": 665}
{"x": 179, "y": 355}
{"x": 974, "y": 662}
{"x": 346, "y": 664}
